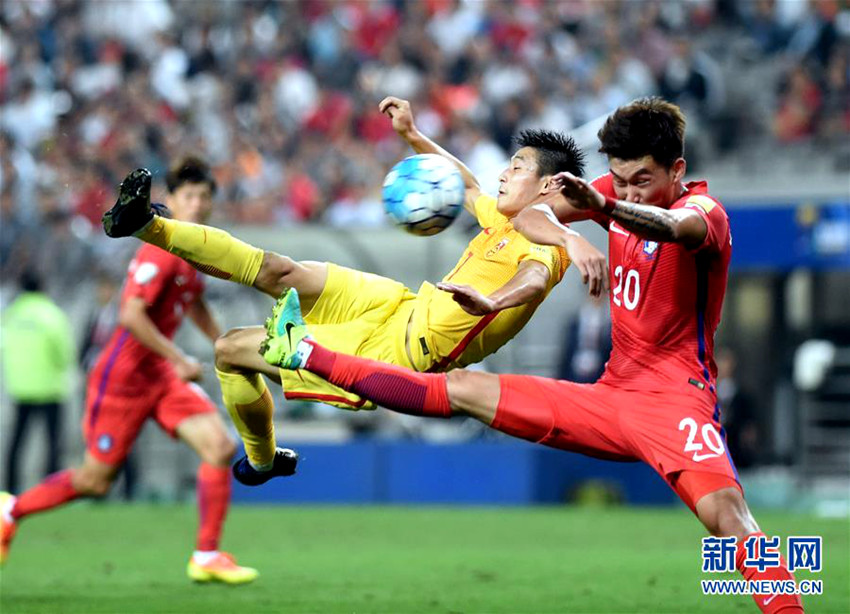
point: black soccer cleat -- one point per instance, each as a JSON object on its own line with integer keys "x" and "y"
{"x": 133, "y": 209}
{"x": 285, "y": 461}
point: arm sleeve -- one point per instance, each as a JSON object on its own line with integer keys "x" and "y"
{"x": 554, "y": 258}
{"x": 716, "y": 220}
{"x": 486, "y": 213}
{"x": 147, "y": 276}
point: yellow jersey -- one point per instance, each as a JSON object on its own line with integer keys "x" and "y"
{"x": 443, "y": 336}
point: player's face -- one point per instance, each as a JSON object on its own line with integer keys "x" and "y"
{"x": 519, "y": 184}
{"x": 645, "y": 181}
{"x": 191, "y": 202}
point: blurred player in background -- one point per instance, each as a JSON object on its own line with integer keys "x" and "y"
{"x": 491, "y": 293}
{"x": 141, "y": 374}
{"x": 669, "y": 251}
{"x": 38, "y": 359}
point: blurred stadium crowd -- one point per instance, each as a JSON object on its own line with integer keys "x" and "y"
{"x": 282, "y": 96}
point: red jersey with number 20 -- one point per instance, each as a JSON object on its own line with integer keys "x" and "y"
{"x": 666, "y": 300}
{"x": 168, "y": 285}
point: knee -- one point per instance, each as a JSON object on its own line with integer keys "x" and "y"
{"x": 469, "y": 393}
{"x": 460, "y": 389}
{"x": 273, "y": 278}
{"x": 91, "y": 483}
{"x": 226, "y": 349}
{"x": 219, "y": 451}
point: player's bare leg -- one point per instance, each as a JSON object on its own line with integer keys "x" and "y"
{"x": 236, "y": 352}
{"x": 474, "y": 394}
{"x": 92, "y": 479}
{"x": 210, "y": 250}
{"x": 725, "y": 513}
{"x": 250, "y": 405}
{"x": 207, "y": 436}
{"x": 280, "y": 273}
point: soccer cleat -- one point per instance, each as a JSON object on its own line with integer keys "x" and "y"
{"x": 285, "y": 462}
{"x": 284, "y": 331}
{"x": 8, "y": 526}
{"x": 222, "y": 568}
{"x": 133, "y": 209}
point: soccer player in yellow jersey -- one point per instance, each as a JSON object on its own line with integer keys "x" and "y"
{"x": 499, "y": 281}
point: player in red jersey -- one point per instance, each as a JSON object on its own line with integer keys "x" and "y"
{"x": 669, "y": 251}
{"x": 141, "y": 374}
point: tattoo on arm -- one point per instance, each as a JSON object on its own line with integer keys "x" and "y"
{"x": 653, "y": 223}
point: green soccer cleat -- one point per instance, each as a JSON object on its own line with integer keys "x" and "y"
{"x": 284, "y": 331}
{"x": 221, "y": 568}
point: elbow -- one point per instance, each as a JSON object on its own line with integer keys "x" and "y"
{"x": 676, "y": 232}
{"x": 127, "y": 319}
{"x": 541, "y": 287}
{"x": 687, "y": 234}
{"x": 542, "y": 284}
{"x": 538, "y": 287}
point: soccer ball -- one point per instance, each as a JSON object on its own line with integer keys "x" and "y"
{"x": 423, "y": 194}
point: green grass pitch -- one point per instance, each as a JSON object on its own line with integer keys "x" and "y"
{"x": 126, "y": 559}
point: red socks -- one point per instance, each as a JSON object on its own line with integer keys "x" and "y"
{"x": 390, "y": 386}
{"x": 55, "y": 490}
{"x": 769, "y": 604}
{"x": 213, "y": 501}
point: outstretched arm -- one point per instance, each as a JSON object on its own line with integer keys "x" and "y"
{"x": 649, "y": 222}
{"x": 399, "y": 111}
{"x": 526, "y": 285}
{"x": 539, "y": 224}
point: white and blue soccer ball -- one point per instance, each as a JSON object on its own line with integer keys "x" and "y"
{"x": 423, "y": 194}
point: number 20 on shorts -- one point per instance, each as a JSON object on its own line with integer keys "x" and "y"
{"x": 710, "y": 438}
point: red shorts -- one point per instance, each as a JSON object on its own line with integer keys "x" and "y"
{"x": 676, "y": 434}
{"x": 115, "y": 415}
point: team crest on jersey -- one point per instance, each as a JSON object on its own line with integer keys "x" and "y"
{"x": 104, "y": 443}
{"x": 145, "y": 273}
{"x": 492, "y": 251}
{"x": 649, "y": 248}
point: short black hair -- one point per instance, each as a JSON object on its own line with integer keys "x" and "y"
{"x": 556, "y": 152}
{"x": 190, "y": 169}
{"x": 647, "y": 126}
